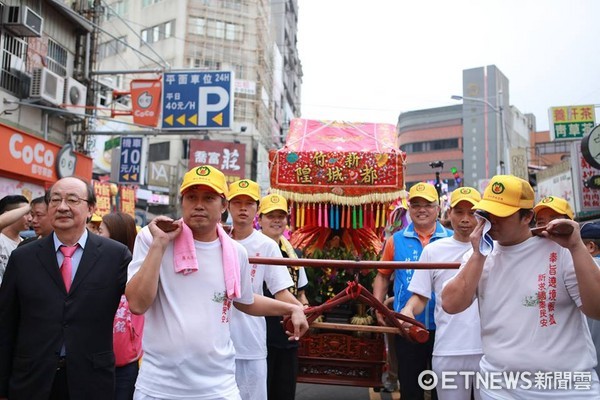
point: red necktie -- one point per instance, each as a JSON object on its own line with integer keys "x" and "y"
{"x": 66, "y": 268}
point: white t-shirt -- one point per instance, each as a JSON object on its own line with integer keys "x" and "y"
{"x": 457, "y": 334}
{"x": 7, "y": 245}
{"x": 188, "y": 352}
{"x": 530, "y": 320}
{"x": 249, "y": 334}
{"x": 302, "y": 278}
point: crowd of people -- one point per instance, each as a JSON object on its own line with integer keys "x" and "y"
{"x": 518, "y": 303}
{"x": 90, "y": 308}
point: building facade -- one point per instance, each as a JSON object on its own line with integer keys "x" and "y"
{"x": 482, "y": 137}
{"x": 141, "y": 39}
{"x": 428, "y": 136}
{"x": 285, "y": 28}
{"x": 43, "y": 77}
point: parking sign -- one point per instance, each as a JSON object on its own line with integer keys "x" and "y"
{"x": 130, "y": 160}
{"x": 196, "y": 99}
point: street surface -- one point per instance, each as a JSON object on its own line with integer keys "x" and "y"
{"x": 305, "y": 391}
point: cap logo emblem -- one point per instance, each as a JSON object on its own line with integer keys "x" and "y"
{"x": 274, "y": 199}
{"x": 497, "y": 188}
{"x": 465, "y": 191}
{"x": 420, "y": 188}
{"x": 203, "y": 171}
{"x": 243, "y": 184}
{"x": 548, "y": 199}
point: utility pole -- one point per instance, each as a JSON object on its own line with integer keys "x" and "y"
{"x": 505, "y": 163}
{"x": 95, "y": 16}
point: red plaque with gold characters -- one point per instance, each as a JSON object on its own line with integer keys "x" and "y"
{"x": 338, "y": 160}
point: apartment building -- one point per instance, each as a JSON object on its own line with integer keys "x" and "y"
{"x": 142, "y": 39}
{"x": 43, "y": 78}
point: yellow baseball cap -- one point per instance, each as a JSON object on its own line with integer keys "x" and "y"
{"x": 96, "y": 218}
{"x": 424, "y": 190}
{"x": 557, "y": 204}
{"x": 272, "y": 202}
{"x": 505, "y": 195}
{"x": 244, "y": 186}
{"x": 465, "y": 194}
{"x": 207, "y": 176}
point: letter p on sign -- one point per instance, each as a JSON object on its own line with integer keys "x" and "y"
{"x": 208, "y": 103}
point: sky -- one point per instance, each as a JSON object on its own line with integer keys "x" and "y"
{"x": 368, "y": 61}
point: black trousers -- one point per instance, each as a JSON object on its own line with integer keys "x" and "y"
{"x": 282, "y": 370}
{"x": 125, "y": 378}
{"x": 60, "y": 389}
{"x": 413, "y": 358}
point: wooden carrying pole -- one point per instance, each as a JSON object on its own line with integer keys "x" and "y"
{"x": 350, "y": 264}
{"x": 355, "y": 328}
{"x": 409, "y": 329}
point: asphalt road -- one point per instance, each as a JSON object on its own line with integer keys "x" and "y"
{"x": 305, "y": 391}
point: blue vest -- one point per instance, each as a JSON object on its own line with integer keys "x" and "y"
{"x": 407, "y": 247}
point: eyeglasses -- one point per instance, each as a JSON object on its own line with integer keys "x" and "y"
{"x": 417, "y": 206}
{"x": 71, "y": 200}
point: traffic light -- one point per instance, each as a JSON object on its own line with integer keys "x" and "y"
{"x": 456, "y": 176}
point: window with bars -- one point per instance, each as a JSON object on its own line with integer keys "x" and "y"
{"x": 57, "y": 58}
{"x": 12, "y": 74}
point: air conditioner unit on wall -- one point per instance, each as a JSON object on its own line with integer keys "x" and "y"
{"x": 22, "y": 21}
{"x": 47, "y": 86}
{"x": 75, "y": 95}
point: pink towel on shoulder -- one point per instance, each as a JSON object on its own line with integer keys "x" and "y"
{"x": 184, "y": 251}
{"x": 231, "y": 264}
{"x": 185, "y": 261}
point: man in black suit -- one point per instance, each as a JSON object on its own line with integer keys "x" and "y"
{"x": 55, "y": 326}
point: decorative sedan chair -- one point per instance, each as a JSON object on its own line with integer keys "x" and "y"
{"x": 341, "y": 180}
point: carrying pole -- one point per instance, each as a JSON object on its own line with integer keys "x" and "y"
{"x": 350, "y": 264}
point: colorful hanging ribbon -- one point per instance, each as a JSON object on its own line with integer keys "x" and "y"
{"x": 320, "y": 216}
{"x": 383, "y": 208}
{"x": 348, "y": 217}
{"x": 360, "y": 215}
{"x": 294, "y": 214}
